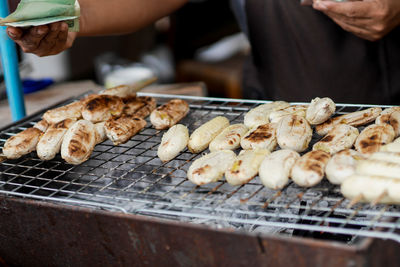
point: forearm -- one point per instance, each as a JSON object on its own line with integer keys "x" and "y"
{"x": 102, "y": 17}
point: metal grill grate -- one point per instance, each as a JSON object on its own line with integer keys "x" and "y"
{"x": 130, "y": 178}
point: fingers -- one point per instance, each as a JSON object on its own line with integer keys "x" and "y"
{"x": 31, "y": 39}
{"x": 356, "y": 22}
{"x": 370, "y": 20}
{"x": 48, "y": 44}
{"x": 42, "y": 40}
{"x": 14, "y": 33}
{"x": 360, "y": 32}
{"x": 62, "y": 36}
{"x": 352, "y": 9}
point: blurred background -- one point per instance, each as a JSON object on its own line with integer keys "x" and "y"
{"x": 199, "y": 43}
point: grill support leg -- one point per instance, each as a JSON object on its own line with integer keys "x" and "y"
{"x": 9, "y": 61}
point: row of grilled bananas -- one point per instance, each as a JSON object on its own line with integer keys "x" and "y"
{"x": 290, "y": 127}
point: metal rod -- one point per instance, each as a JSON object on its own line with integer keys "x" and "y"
{"x": 10, "y": 68}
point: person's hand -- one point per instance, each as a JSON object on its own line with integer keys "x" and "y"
{"x": 43, "y": 40}
{"x": 368, "y": 19}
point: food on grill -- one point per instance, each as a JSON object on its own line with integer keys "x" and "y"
{"x": 173, "y": 142}
{"x": 140, "y": 106}
{"x": 78, "y": 142}
{"x": 392, "y": 147}
{"x": 374, "y": 189}
{"x": 120, "y": 130}
{"x": 22, "y": 143}
{"x": 245, "y": 166}
{"x": 262, "y": 136}
{"x": 275, "y": 169}
{"x": 373, "y": 137}
{"x": 41, "y": 125}
{"x": 202, "y": 136}
{"x": 229, "y": 138}
{"x": 260, "y": 114}
{"x": 342, "y": 136}
{"x": 128, "y": 90}
{"x": 210, "y": 167}
{"x": 100, "y": 132}
{"x": 50, "y": 143}
{"x": 102, "y": 107}
{"x": 355, "y": 119}
{"x": 277, "y": 115}
{"x": 169, "y": 114}
{"x": 390, "y": 116}
{"x": 385, "y": 164}
{"x": 309, "y": 169}
{"x": 393, "y": 157}
{"x": 70, "y": 111}
{"x": 376, "y": 179}
{"x": 293, "y": 132}
{"x": 320, "y": 110}
{"x": 120, "y": 90}
{"x": 342, "y": 165}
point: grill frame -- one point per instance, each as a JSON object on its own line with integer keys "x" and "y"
{"x": 382, "y": 214}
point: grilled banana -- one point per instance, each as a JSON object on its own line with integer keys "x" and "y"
{"x": 260, "y": 114}
{"x": 78, "y": 142}
{"x": 22, "y": 143}
{"x": 169, "y": 114}
{"x": 309, "y": 169}
{"x": 355, "y": 119}
{"x": 41, "y": 125}
{"x": 229, "y": 138}
{"x": 211, "y": 167}
{"x": 262, "y": 137}
{"x": 277, "y": 115}
{"x": 100, "y": 132}
{"x": 245, "y": 166}
{"x": 368, "y": 188}
{"x": 294, "y": 133}
{"x": 373, "y": 137}
{"x": 275, "y": 169}
{"x": 393, "y": 157}
{"x": 120, "y": 90}
{"x": 342, "y": 165}
{"x": 102, "y": 108}
{"x": 120, "y": 130}
{"x": 341, "y": 137}
{"x": 390, "y": 116}
{"x": 140, "y": 106}
{"x": 202, "y": 136}
{"x": 320, "y": 110}
{"x": 70, "y": 111}
{"x": 391, "y": 147}
{"x": 173, "y": 142}
{"x": 378, "y": 168}
{"x": 128, "y": 90}
{"x": 50, "y": 143}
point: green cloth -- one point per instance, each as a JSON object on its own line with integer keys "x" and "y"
{"x": 41, "y": 12}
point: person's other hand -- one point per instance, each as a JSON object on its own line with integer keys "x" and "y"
{"x": 43, "y": 40}
{"x": 368, "y": 19}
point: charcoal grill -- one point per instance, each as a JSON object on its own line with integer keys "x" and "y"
{"x": 125, "y": 206}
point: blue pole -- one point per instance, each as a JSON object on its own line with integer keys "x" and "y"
{"x": 9, "y": 61}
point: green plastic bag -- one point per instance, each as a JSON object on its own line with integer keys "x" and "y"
{"x": 41, "y": 12}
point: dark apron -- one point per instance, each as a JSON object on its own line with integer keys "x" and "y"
{"x": 299, "y": 53}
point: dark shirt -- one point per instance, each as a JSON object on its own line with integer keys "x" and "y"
{"x": 299, "y": 53}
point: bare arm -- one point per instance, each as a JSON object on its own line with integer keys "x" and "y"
{"x": 103, "y": 17}
{"x": 98, "y": 17}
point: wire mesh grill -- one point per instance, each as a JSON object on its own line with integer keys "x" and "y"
{"x": 130, "y": 178}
